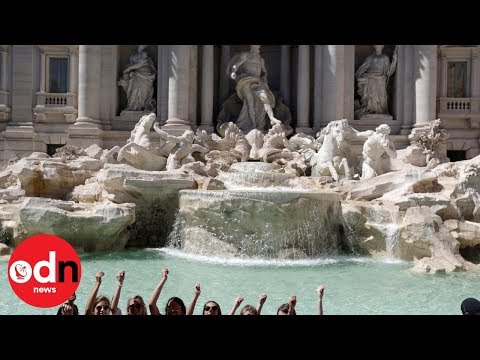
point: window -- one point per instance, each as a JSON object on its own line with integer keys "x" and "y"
{"x": 58, "y": 75}
{"x": 457, "y": 79}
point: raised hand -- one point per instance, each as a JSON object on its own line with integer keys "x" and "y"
{"x": 262, "y": 298}
{"x": 238, "y": 301}
{"x": 196, "y": 289}
{"x": 165, "y": 273}
{"x": 67, "y": 309}
{"x": 121, "y": 276}
{"x": 320, "y": 291}
{"x": 98, "y": 276}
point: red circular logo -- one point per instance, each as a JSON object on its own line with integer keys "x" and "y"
{"x": 44, "y": 270}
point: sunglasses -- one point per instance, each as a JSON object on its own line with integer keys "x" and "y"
{"x": 213, "y": 308}
{"x": 137, "y": 306}
{"x": 105, "y": 307}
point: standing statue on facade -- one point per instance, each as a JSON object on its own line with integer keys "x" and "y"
{"x": 250, "y": 75}
{"x": 372, "y": 81}
{"x": 137, "y": 81}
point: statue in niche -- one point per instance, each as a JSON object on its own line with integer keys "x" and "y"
{"x": 137, "y": 81}
{"x": 253, "y": 101}
{"x": 372, "y": 81}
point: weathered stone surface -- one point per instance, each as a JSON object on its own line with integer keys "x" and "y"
{"x": 91, "y": 227}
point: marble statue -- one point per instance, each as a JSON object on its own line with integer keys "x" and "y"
{"x": 376, "y": 144}
{"x": 253, "y": 96}
{"x": 372, "y": 80}
{"x": 137, "y": 81}
{"x": 330, "y": 159}
{"x": 139, "y": 151}
{"x": 433, "y": 142}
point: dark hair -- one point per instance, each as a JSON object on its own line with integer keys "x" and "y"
{"x": 74, "y": 307}
{"x": 179, "y": 302}
{"x": 211, "y": 301}
{"x": 284, "y": 308}
{"x": 470, "y": 306}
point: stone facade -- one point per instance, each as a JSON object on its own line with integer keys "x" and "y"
{"x": 317, "y": 83}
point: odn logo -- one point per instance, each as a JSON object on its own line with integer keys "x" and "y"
{"x": 44, "y": 270}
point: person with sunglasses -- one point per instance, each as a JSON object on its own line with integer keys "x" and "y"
{"x": 98, "y": 305}
{"x": 175, "y": 305}
{"x": 211, "y": 308}
{"x": 136, "y": 306}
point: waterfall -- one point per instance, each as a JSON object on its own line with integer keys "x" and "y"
{"x": 386, "y": 222}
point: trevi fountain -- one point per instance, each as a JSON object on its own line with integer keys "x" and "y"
{"x": 254, "y": 208}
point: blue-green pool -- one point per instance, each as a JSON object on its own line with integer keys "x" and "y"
{"x": 354, "y": 285}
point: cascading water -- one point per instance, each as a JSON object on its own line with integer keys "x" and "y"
{"x": 387, "y": 223}
{"x": 257, "y": 217}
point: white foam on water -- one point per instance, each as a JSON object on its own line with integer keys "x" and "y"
{"x": 272, "y": 262}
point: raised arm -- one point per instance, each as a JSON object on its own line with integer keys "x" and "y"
{"x": 291, "y": 305}
{"x": 393, "y": 65}
{"x": 196, "y": 294}
{"x": 118, "y": 290}
{"x": 234, "y": 64}
{"x": 261, "y": 300}
{"x": 152, "y": 303}
{"x": 320, "y": 291}
{"x": 389, "y": 147}
{"x": 236, "y": 304}
{"x": 93, "y": 294}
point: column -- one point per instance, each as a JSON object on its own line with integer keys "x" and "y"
{"x": 443, "y": 79}
{"x": 317, "y": 90}
{"x": 348, "y": 87}
{"x": 162, "y": 82}
{"x": 224, "y": 79}
{"x": 192, "y": 87}
{"x": 3, "y": 73}
{"x": 207, "y": 89}
{"x": 285, "y": 73}
{"x": 73, "y": 88}
{"x": 303, "y": 90}
{"x": 87, "y": 129}
{"x": 425, "y": 61}
{"x": 89, "y": 84}
{"x": 178, "y": 90}
{"x": 474, "y": 74}
{"x": 4, "y": 101}
{"x": 406, "y": 100}
{"x": 22, "y": 84}
{"x": 43, "y": 69}
{"x": 333, "y": 83}
{"x": 20, "y": 135}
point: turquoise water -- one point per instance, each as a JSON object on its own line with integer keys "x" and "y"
{"x": 354, "y": 285}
